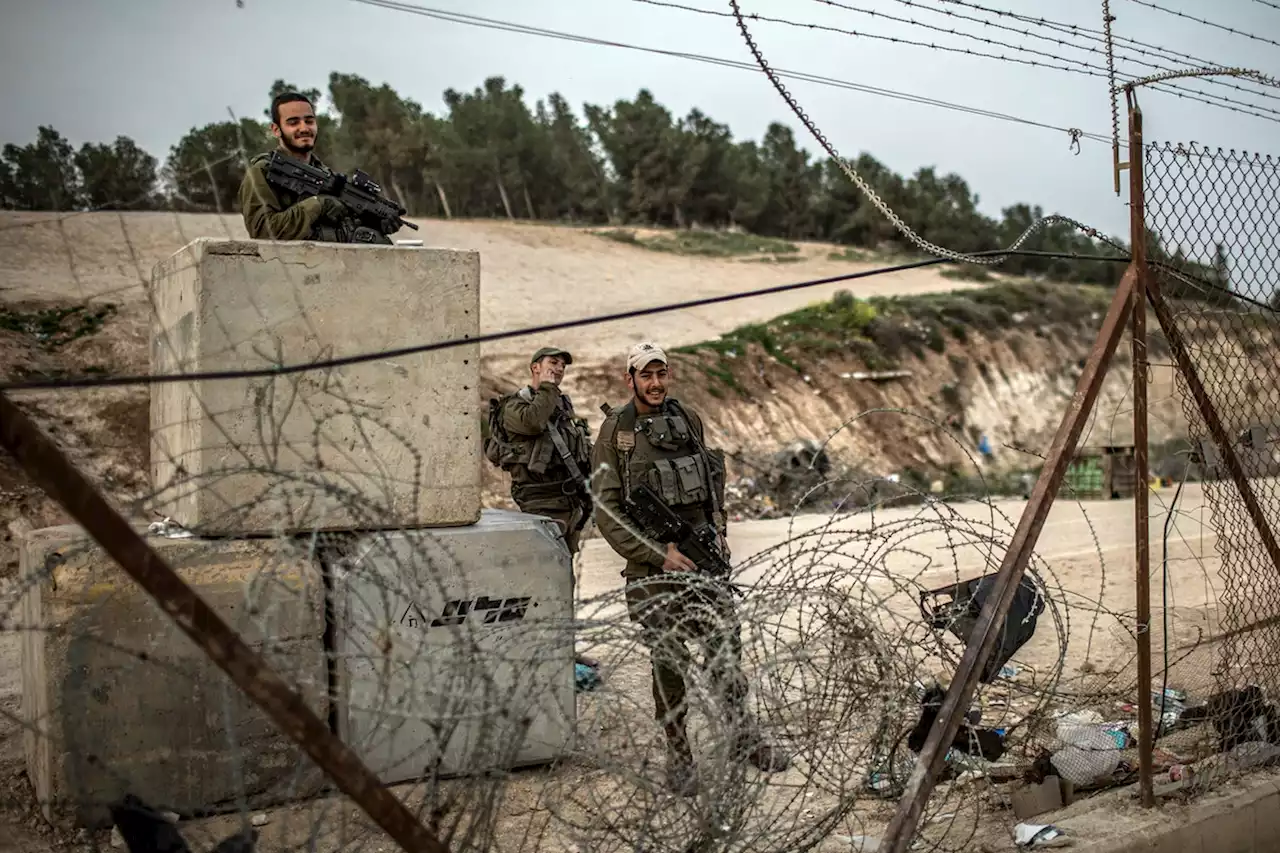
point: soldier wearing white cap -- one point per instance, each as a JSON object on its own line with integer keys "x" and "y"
{"x": 656, "y": 440}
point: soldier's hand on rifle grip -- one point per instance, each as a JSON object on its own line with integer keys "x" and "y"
{"x": 677, "y": 562}
{"x": 334, "y": 210}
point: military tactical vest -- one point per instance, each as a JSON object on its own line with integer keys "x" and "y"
{"x": 666, "y": 455}
{"x": 537, "y": 454}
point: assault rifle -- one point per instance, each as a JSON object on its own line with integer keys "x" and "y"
{"x": 580, "y": 480}
{"x": 375, "y": 215}
{"x": 700, "y": 542}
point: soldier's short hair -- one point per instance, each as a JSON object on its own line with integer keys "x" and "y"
{"x": 287, "y": 98}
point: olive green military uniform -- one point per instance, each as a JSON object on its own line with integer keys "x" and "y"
{"x": 667, "y": 451}
{"x": 541, "y": 482}
{"x": 275, "y": 213}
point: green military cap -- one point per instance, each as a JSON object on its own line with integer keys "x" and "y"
{"x": 546, "y": 351}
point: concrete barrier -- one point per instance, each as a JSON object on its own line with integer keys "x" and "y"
{"x": 455, "y": 647}
{"x": 389, "y": 443}
{"x": 115, "y": 698}
{"x": 1244, "y": 821}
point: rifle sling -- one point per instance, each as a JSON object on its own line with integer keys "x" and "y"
{"x": 563, "y": 449}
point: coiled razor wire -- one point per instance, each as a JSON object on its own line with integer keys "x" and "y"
{"x": 834, "y": 649}
{"x": 867, "y": 190}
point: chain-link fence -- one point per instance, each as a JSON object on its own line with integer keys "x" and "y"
{"x": 1213, "y": 220}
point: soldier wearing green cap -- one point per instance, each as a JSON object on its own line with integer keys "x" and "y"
{"x": 535, "y": 436}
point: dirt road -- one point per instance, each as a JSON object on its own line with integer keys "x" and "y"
{"x": 1085, "y": 554}
{"x": 531, "y": 274}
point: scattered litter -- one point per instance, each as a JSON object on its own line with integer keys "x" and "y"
{"x": 1009, "y": 671}
{"x": 1038, "y": 836}
{"x": 860, "y": 843}
{"x": 1090, "y": 752}
{"x": 260, "y": 819}
{"x": 876, "y": 375}
{"x": 1031, "y": 800}
{"x": 168, "y": 528}
{"x": 586, "y": 678}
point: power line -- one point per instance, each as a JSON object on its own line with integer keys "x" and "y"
{"x": 1100, "y": 50}
{"x": 509, "y": 26}
{"x": 1093, "y": 70}
{"x": 344, "y": 361}
{"x": 1087, "y": 69}
{"x": 1064, "y": 27}
{"x": 1222, "y": 27}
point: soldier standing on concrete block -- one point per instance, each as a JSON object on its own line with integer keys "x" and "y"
{"x": 656, "y": 441}
{"x": 274, "y": 213}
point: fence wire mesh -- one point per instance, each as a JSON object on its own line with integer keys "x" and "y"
{"x": 1213, "y": 220}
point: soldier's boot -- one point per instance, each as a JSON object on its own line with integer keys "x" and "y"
{"x": 751, "y": 746}
{"x": 681, "y": 772}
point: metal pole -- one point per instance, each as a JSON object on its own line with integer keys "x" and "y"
{"x": 981, "y": 643}
{"x": 1141, "y": 498}
{"x": 54, "y": 473}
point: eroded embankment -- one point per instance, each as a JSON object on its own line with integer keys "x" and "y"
{"x": 917, "y": 387}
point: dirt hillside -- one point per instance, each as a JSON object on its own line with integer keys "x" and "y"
{"x": 1008, "y": 382}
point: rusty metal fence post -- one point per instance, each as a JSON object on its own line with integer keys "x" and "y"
{"x": 982, "y": 641}
{"x": 50, "y": 469}
{"x": 1141, "y": 496}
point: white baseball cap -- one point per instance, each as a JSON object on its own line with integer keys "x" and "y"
{"x": 643, "y": 353}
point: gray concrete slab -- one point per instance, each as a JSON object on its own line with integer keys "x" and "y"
{"x": 455, "y": 647}
{"x": 116, "y": 698}
{"x": 393, "y": 442}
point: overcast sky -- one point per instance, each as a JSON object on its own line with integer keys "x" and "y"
{"x": 152, "y": 69}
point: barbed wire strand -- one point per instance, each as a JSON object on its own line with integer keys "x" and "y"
{"x": 1064, "y": 27}
{"x": 1207, "y": 23}
{"x": 1106, "y": 48}
{"x": 1086, "y": 68}
{"x": 509, "y": 26}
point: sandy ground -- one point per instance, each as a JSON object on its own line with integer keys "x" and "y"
{"x": 1085, "y": 554}
{"x": 531, "y": 274}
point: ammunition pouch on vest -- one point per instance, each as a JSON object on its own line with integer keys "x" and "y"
{"x": 691, "y": 475}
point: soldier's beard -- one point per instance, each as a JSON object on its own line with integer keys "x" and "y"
{"x": 299, "y": 146}
{"x": 652, "y": 396}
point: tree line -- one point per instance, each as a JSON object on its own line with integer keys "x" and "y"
{"x": 492, "y": 155}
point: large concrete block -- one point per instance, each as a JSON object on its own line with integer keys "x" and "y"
{"x": 455, "y": 647}
{"x": 386, "y": 443}
{"x": 115, "y": 698}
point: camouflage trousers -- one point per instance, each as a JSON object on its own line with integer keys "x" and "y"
{"x": 674, "y": 611}
{"x": 566, "y": 511}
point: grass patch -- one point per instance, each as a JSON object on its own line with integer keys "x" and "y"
{"x": 710, "y": 244}
{"x": 619, "y": 235}
{"x": 56, "y": 327}
{"x": 851, "y": 255}
{"x": 968, "y": 272}
{"x": 879, "y": 331}
{"x": 774, "y": 259}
